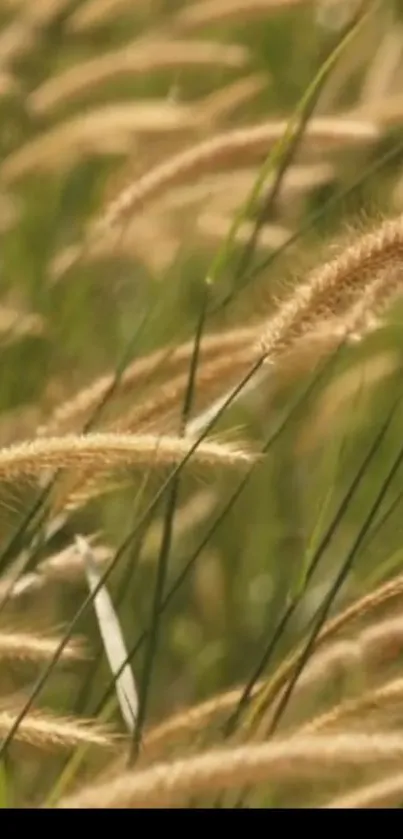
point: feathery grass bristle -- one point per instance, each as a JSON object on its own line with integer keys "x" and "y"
{"x": 200, "y": 404}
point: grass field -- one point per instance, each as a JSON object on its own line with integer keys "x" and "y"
{"x": 201, "y": 462}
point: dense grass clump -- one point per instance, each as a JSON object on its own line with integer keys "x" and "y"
{"x": 201, "y": 221}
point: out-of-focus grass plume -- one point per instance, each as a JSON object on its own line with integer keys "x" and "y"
{"x": 201, "y": 284}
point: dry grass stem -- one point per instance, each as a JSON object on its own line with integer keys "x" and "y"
{"x": 139, "y": 136}
{"x": 301, "y": 757}
{"x": 224, "y": 371}
{"x": 383, "y": 68}
{"x": 387, "y": 111}
{"x": 237, "y": 148}
{"x": 66, "y": 566}
{"x": 19, "y": 646}
{"x": 380, "y": 701}
{"x": 110, "y": 129}
{"x": 192, "y": 719}
{"x": 105, "y": 451}
{"x": 340, "y": 284}
{"x": 358, "y": 380}
{"x": 228, "y": 191}
{"x": 199, "y": 716}
{"x": 20, "y": 35}
{"x": 222, "y": 103}
{"x": 160, "y": 365}
{"x": 18, "y": 324}
{"x": 137, "y": 58}
{"x": 209, "y": 12}
{"x": 387, "y": 793}
{"x": 378, "y": 640}
{"x": 217, "y": 227}
{"x": 47, "y": 732}
{"x": 99, "y": 12}
{"x": 373, "y": 647}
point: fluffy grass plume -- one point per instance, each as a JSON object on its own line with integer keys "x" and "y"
{"x": 200, "y": 404}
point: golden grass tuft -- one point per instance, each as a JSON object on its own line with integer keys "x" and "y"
{"x": 209, "y": 12}
{"x": 236, "y": 148}
{"x": 47, "y": 732}
{"x": 169, "y": 110}
{"x": 166, "y": 784}
{"x": 103, "y": 451}
{"x": 381, "y": 702}
{"x": 24, "y": 646}
{"x": 98, "y": 12}
{"x": 164, "y": 363}
{"x": 109, "y": 129}
{"x": 135, "y": 59}
{"x": 341, "y": 283}
{"x": 217, "y": 227}
{"x": 266, "y": 690}
{"x": 64, "y": 566}
{"x": 373, "y": 647}
{"x": 223, "y": 102}
{"x": 387, "y": 793}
